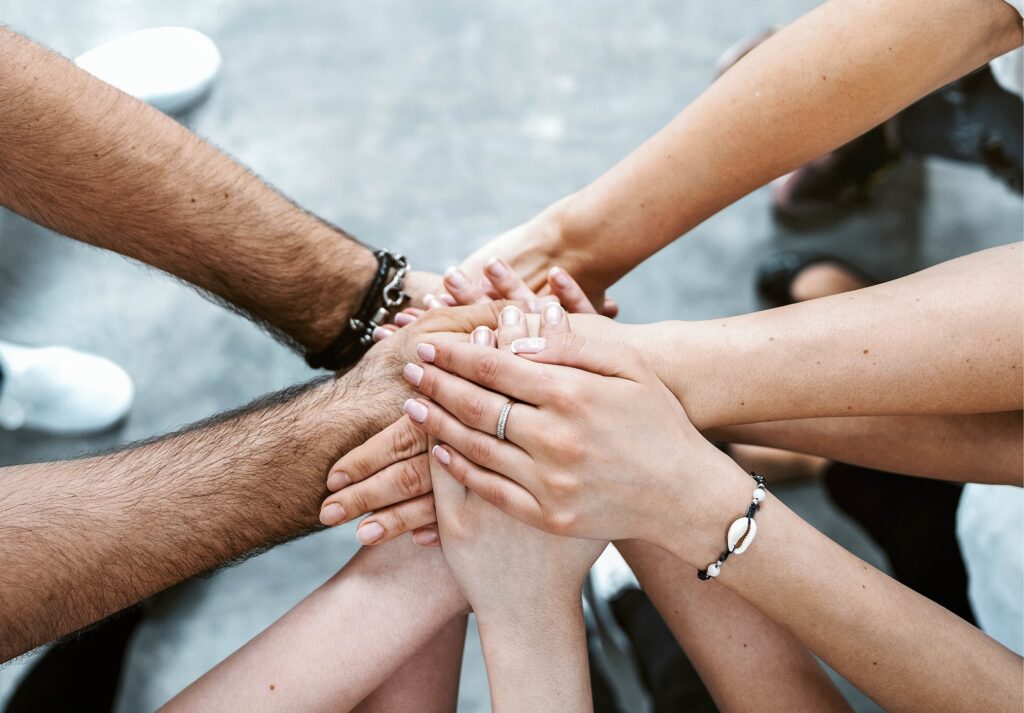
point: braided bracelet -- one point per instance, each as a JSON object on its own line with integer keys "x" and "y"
{"x": 741, "y": 533}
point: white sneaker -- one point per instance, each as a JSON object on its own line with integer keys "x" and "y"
{"x": 60, "y": 390}
{"x": 171, "y": 68}
{"x": 609, "y": 578}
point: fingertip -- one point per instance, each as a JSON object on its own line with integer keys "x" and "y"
{"x": 332, "y": 514}
{"x": 426, "y": 536}
{"x": 447, "y": 299}
{"x": 369, "y": 532}
{"x": 338, "y": 479}
{"x": 442, "y": 455}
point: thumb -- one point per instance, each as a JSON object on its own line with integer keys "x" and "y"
{"x": 593, "y": 355}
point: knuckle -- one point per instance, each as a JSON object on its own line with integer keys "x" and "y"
{"x": 496, "y": 496}
{"x": 355, "y": 502}
{"x": 395, "y": 521}
{"x": 487, "y": 368}
{"x": 413, "y": 478}
{"x": 405, "y": 439}
{"x": 563, "y": 486}
{"x": 479, "y": 450}
{"x": 474, "y": 408}
{"x": 559, "y": 521}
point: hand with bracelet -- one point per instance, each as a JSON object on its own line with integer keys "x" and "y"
{"x": 596, "y": 446}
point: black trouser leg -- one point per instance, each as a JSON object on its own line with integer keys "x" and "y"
{"x": 81, "y": 673}
{"x": 914, "y": 521}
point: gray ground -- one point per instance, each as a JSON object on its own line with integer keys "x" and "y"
{"x": 427, "y": 128}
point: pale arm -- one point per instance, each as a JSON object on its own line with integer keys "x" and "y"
{"x": 341, "y": 642}
{"x": 977, "y": 448}
{"x": 726, "y": 639}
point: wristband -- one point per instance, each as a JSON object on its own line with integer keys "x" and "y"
{"x": 385, "y": 293}
{"x": 741, "y": 533}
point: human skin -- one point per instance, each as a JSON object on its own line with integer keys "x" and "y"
{"x": 816, "y": 84}
{"x": 85, "y": 159}
{"x": 580, "y": 463}
{"x": 85, "y": 538}
{"x": 923, "y": 358}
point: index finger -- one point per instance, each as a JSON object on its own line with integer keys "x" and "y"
{"x": 395, "y": 443}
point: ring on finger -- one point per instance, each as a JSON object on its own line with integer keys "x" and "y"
{"x": 503, "y": 419}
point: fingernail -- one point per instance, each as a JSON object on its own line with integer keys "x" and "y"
{"x": 533, "y": 306}
{"x": 443, "y": 456}
{"x": 402, "y": 319}
{"x": 447, "y": 300}
{"x": 417, "y": 411}
{"x": 511, "y": 316}
{"x": 482, "y": 336}
{"x": 369, "y": 532}
{"x": 432, "y": 302}
{"x": 426, "y": 352}
{"x": 529, "y": 345}
{"x": 553, "y": 313}
{"x": 338, "y": 479}
{"x": 496, "y": 267}
{"x": 456, "y": 278}
{"x": 333, "y": 514}
{"x": 559, "y": 276}
{"x": 413, "y": 373}
{"x": 425, "y": 538}
{"x": 379, "y": 333}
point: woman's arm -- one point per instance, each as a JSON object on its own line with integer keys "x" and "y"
{"x": 726, "y": 638}
{"x": 426, "y": 683}
{"x": 819, "y": 82}
{"x": 980, "y": 448}
{"x": 604, "y": 450}
{"x": 341, "y": 642}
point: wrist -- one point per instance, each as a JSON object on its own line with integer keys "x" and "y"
{"x": 337, "y": 285}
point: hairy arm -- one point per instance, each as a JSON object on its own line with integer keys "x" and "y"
{"x": 342, "y": 641}
{"x": 819, "y": 82}
{"x": 726, "y": 638}
{"x": 85, "y": 538}
{"x": 976, "y": 448}
{"x": 84, "y": 159}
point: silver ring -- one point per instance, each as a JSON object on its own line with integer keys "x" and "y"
{"x": 502, "y": 420}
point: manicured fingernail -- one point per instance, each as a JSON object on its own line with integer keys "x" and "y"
{"x": 443, "y": 456}
{"x": 379, "y": 333}
{"x": 447, "y": 300}
{"x": 338, "y": 479}
{"x": 496, "y": 268}
{"x": 413, "y": 373}
{"x": 417, "y": 411}
{"x": 559, "y": 276}
{"x": 529, "y": 345}
{"x": 456, "y": 278}
{"x": 482, "y": 336}
{"x": 426, "y": 352}
{"x": 369, "y": 532}
{"x": 402, "y": 319}
{"x": 332, "y": 514}
{"x": 511, "y": 316}
{"x": 553, "y": 313}
{"x": 432, "y": 302}
{"x": 425, "y": 538}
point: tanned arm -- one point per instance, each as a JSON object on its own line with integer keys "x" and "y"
{"x": 82, "y": 539}
{"x": 83, "y": 158}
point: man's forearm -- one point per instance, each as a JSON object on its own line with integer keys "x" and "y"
{"x": 89, "y": 161}
{"x": 818, "y": 83}
{"x": 82, "y": 539}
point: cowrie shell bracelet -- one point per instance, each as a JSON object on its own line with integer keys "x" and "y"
{"x": 741, "y": 533}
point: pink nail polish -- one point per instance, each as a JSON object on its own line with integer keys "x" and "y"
{"x": 496, "y": 268}
{"x": 425, "y": 538}
{"x": 369, "y": 532}
{"x": 402, "y": 319}
{"x": 426, "y": 352}
{"x": 529, "y": 345}
{"x": 338, "y": 479}
{"x": 379, "y": 333}
{"x": 413, "y": 373}
{"x": 417, "y": 411}
{"x": 560, "y": 277}
{"x": 553, "y": 313}
{"x": 333, "y": 514}
{"x": 443, "y": 457}
{"x": 482, "y": 336}
{"x": 511, "y": 316}
{"x": 456, "y": 278}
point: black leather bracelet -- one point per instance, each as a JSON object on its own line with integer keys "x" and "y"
{"x": 386, "y": 292}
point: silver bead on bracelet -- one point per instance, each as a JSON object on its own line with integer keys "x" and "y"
{"x": 741, "y": 533}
